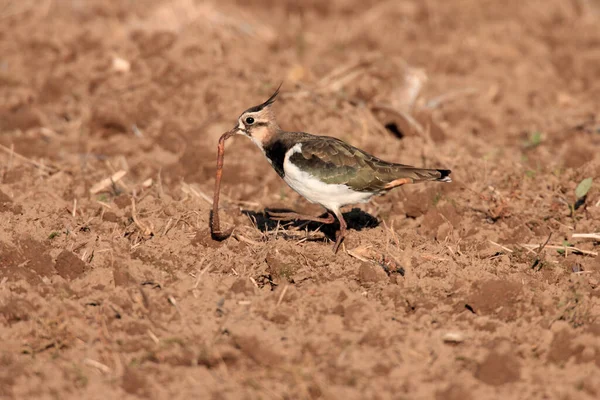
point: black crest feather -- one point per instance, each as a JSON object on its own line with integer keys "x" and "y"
{"x": 267, "y": 103}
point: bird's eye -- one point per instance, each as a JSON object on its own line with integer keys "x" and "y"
{"x": 249, "y": 120}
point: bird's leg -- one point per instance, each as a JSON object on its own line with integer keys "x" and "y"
{"x": 341, "y": 233}
{"x": 292, "y": 216}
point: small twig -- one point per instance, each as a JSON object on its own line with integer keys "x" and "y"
{"x": 244, "y": 203}
{"x": 96, "y": 364}
{"x": 358, "y": 257}
{"x": 302, "y": 240}
{"x": 529, "y": 250}
{"x": 174, "y": 304}
{"x": 443, "y": 98}
{"x": 301, "y": 235}
{"x": 201, "y": 273}
{"x": 277, "y": 229}
{"x": 245, "y": 239}
{"x": 103, "y": 204}
{"x": 74, "y": 208}
{"x": 595, "y": 236}
{"x": 154, "y": 338}
{"x": 196, "y": 192}
{"x": 431, "y": 257}
{"x": 167, "y": 227}
{"x": 108, "y": 182}
{"x": 146, "y": 230}
{"x": 571, "y": 248}
{"x": 544, "y": 245}
{"x": 161, "y": 192}
{"x": 281, "y": 295}
{"x": 453, "y": 337}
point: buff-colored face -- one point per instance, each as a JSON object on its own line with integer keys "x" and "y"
{"x": 258, "y": 123}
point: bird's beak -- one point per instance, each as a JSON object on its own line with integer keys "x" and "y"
{"x": 239, "y": 130}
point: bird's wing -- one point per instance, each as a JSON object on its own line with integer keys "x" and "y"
{"x": 336, "y": 162}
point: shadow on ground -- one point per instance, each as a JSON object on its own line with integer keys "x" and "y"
{"x": 356, "y": 219}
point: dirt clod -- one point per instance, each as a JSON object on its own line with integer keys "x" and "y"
{"x": 242, "y": 285}
{"x": 69, "y": 266}
{"x": 370, "y": 273}
{"x": 498, "y": 369}
{"x": 133, "y": 382}
{"x": 257, "y": 351}
{"x": 496, "y": 297}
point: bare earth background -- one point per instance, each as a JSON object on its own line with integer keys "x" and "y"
{"x": 116, "y": 289}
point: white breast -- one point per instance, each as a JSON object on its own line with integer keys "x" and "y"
{"x": 329, "y": 196}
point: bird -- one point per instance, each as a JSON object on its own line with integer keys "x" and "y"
{"x": 324, "y": 169}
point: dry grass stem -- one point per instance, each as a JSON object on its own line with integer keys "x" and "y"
{"x": 96, "y": 364}
{"x": 595, "y": 236}
{"x": 289, "y": 234}
{"x": 499, "y": 245}
{"x": 282, "y": 295}
{"x": 188, "y": 189}
{"x": 154, "y": 338}
{"x": 351, "y": 253}
{"x": 108, "y": 182}
{"x": 446, "y": 97}
{"x": 201, "y": 273}
{"x": 431, "y": 257}
{"x": 566, "y": 248}
{"x": 174, "y": 304}
{"x": 147, "y": 231}
{"x": 541, "y": 248}
{"x": 245, "y": 240}
{"x": 453, "y": 337}
{"x": 103, "y": 204}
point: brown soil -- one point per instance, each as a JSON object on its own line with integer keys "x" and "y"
{"x": 122, "y": 293}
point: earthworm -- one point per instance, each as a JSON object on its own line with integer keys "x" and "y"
{"x": 215, "y": 229}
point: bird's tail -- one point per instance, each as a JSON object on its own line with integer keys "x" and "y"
{"x": 444, "y": 175}
{"x": 415, "y": 175}
{"x": 425, "y": 175}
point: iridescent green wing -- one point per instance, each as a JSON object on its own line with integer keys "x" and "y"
{"x": 336, "y": 162}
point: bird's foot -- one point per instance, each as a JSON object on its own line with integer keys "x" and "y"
{"x": 339, "y": 237}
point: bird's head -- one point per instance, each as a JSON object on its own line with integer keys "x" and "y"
{"x": 258, "y": 122}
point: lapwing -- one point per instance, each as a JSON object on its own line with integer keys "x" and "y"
{"x": 323, "y": 169}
